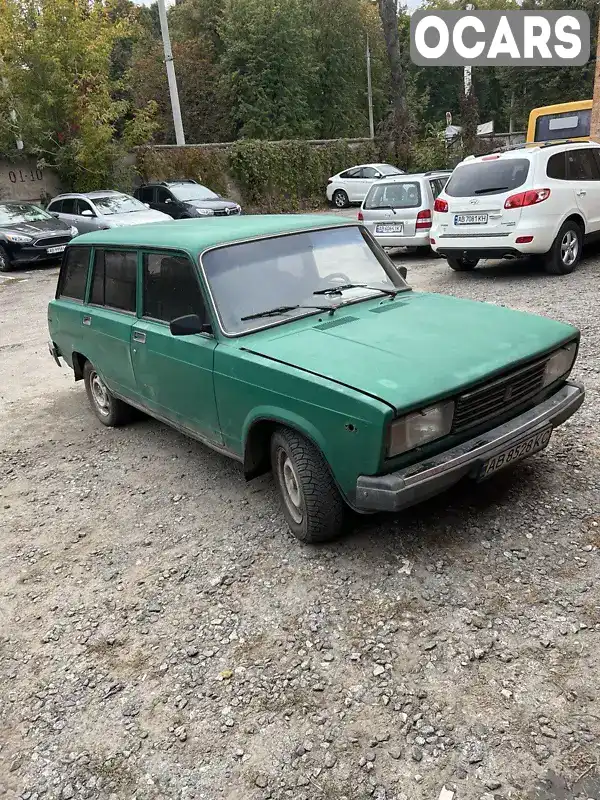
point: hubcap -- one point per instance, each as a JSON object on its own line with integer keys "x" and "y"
{"x": 340, "y": 200}
{"x": 290, "y": 485}
{"x": 100, "y": 394}
{"x": 569, "y": 248}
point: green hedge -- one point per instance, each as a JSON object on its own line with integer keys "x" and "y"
{"x": 274, "y": 176}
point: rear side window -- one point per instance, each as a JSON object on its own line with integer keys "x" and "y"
{"x": 73, "y": 273}
{"x": 114, "y": 280}
{"x": 488, "y": 177}
{"x": 567, "y": 125}
{"x": 56, "y": 206}
{"x": 394, "y": 195}
{"x": 171, "y": 287}
{"x": 557, "y": 167}
{"x": 437, "y": 184}
{"x": 146, "y": 195}
{"x": 350, "y": 173}
{"x": 582, "y": 166}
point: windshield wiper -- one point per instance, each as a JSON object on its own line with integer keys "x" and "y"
{"x": 344, "y": 286}
{"x": 275, "y": 312}
{"x": 378, "y": 208}
{"x": 492, "y": 189}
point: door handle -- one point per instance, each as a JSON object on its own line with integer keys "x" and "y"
{"x": 581, "y": 192}
{"x": 138, "y": 336}
{"x": 86, "y": 320}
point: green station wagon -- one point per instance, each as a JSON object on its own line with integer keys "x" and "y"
{"x": 292, "y": 343}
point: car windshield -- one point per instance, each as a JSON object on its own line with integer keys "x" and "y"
{"x": 281, "y": 274}
{"x": 17, "y": 213}
{"x": 192, "y": 191}
{"x": 394, "y": 195}
{"x": 118, "y": 204}
{"x": 387, "y": 169}
{"x": 488, "y": 177}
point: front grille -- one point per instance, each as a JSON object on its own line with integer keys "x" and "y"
{"x": 52, "y": 241}
{"x": 495, "y": 398}
{"x": 220, "y": 212}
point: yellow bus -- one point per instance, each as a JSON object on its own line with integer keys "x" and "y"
{"x": 560, "y": 121}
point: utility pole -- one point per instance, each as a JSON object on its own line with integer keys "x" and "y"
{"x": 164, "y": 29}
{"x": 370, "y": 91}
{"x": 467, "y": 69}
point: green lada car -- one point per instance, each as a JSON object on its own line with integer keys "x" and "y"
{"x": 292, "y": 343}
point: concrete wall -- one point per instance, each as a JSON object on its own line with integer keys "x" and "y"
{"x": 22, "y": 180}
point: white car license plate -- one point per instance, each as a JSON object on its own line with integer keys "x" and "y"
{"x": 516, "y": 452}
{"x": 470, "y": 219}
{"x": 60, "y": 248}
{"x": 392, "y": 227}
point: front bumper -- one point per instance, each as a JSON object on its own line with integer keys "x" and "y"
{"x": 423, "y": 480}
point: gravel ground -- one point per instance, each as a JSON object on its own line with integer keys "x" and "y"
{"x": 162, "y": 635}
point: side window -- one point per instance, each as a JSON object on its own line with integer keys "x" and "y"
{"x": 146, "y": 195}
{"x": 68, "y": 205}
{"x": 369, "y": 172}
{"x": 83, "y": 205}
{"x": 436, "y": 187}
{"x": 114, "y": 280}
{"x": 171, "y": 287}
{"x": 56, "y": 206}
{"x": 557, "y": 167}
{"x": 73, "y": 273}
{"x": 350, "y": 173}
{"x": 162, "y": 195}
{"x": 581, "y": 166}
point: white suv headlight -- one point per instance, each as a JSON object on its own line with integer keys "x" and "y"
{"x": 419, "y": 428}
{"x": 559, "y": 364}
{"x": 18, "y": 238}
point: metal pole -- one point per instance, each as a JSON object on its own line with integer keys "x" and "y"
{"x": 467, "y": 69}
{"x": 164, "y": 28}
{"x": 370, "y": 91}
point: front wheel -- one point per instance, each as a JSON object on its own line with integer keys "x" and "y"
{"x": 111, "y": 411}
{"x": 565, "y": 253}
{"x": 462, "y": 264}
{"x": 5, "y": 264}
{"x": 311, "y": 502}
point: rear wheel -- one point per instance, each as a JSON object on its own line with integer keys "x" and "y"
{"x": 340, "y": 199}
{"x": 462, "y": 264}
{"x": 5, "y": 263}
{"x": 311, "y": 502}
{"x": 565, "y": 253}
{"x": 111, "y": 411}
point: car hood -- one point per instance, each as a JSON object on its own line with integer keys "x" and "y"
{"x": 217, "y": 204}
{"x": 415, "y": 349}
{"x": 45, "y": 226}
{"x": 137, "y": 217}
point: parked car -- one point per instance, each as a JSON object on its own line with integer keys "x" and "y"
{"x": 292, "y": 343}
{"x": 28, "y": 234}
{"x": 186, "y": 199}
{"x": 398, "y": 210}
{"x": 542, "y": 200}
{"x": 352, "y": 185}
{"x": 102, "y": 209}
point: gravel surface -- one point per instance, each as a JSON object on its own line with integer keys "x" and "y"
{"x": 162, "y": 635}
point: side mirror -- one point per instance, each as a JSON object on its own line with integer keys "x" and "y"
{"x": 168, "y": 200}
{"x": 188, "y": 325}
{"x": 86, "y": 213}
{"x": 54, "y": 214}
{"x": 403, "y": 272}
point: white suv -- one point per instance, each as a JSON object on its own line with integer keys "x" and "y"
{"x": 542, "y": 200}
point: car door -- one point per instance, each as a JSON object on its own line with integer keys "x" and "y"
{"x": 65, "y": 210}
{"x": 366, "y": 178}
{"x": 349, "y": 181}
{"x": 109, "y": 318}
{"x": 174, "y": 374}
{"x": 88, "y": 222}
{"x": 165, "y": 202}
{"x": 147, "y": 194}
{"x": 583, "y": 171}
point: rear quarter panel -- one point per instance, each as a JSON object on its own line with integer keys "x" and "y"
{"x": 347, "y": 426}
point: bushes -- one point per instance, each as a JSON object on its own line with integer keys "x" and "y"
{"x": 275, "y": 176}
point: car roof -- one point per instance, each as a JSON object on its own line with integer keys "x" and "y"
{"x": 529, "y": 150}
{"x": 196, "y": 235}
{"x": 89, "y": 195}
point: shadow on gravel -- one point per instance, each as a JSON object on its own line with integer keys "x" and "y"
{"x": 555, "y": 787}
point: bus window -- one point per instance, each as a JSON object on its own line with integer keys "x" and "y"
{"x": 565, "y": 125}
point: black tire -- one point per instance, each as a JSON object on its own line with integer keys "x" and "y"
{"x": 462, "y": 264}
{"x": 340, "y": 199}
{"x": 316, "y": 513}
{"x": 562, "y": 259}
{"x": 423, "y": 250}
{"x": 111, "y": 411}
{"x": 5, "y": 262}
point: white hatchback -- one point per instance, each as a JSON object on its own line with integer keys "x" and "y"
{"x": 352, "y": 185}
{"x": 541, "y": 200}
